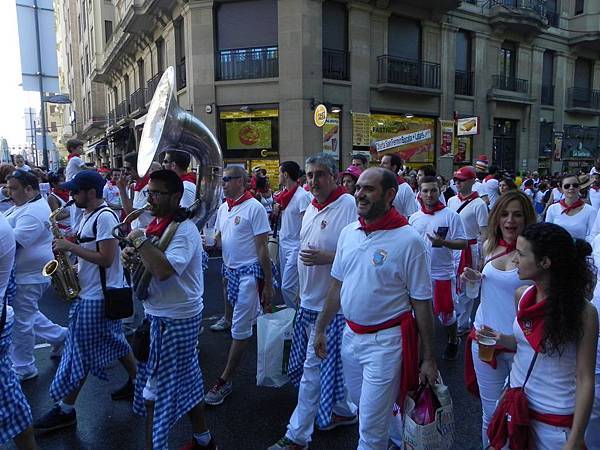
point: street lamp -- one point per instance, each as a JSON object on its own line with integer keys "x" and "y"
{"x": 60, "y": 99}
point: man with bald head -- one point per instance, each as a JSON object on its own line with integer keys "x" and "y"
{"x": 242, "y": 229}
{"x": 381, "y": 277}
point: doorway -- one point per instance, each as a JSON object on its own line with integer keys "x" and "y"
{"x": 505, "y": 144}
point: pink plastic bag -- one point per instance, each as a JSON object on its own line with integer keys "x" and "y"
{"x": 426, "y": 403}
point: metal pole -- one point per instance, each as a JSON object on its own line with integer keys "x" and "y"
{"x": 41, "y": 84}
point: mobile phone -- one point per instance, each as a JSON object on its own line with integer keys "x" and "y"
{"x": 441, "y": 232}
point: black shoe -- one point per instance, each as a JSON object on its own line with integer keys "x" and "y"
{"x": 451, "y": 351}
{"x": 55, "y": 419}
{"x": 124, "y": 393}
{"x": 193, "y": 445}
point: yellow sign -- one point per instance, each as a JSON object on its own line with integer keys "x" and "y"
{"x": 249, "y": 114}
{"x": 360, "y": 130}
{"x": 320, "y": 116}
{"x": 272, "y": 168}
{"x": 412, "y": 138}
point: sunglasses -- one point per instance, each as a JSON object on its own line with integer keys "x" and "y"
{"x": 155, "y": 194}
{"x": 227, "y": 179}
{"x": 571, "y": 185}
{"x": 167, "y": 161}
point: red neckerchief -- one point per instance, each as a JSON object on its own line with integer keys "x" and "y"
{"x": 488, "y": 177}
{"x": 510, "y": 246}
{"x": 141, "y": 183}
{"x": 438, "y": 207}
{"x": 188, "y": 176}
{"x": 530, "y": 317}
{"x": 306, "y": 187}
{"x": 567, "y": 208}
{"x": 400, "y": 180}
{"x": 62, "y": 193}
{"x": 389, "y": 221}
{"x": 285, "y": 196}
{"x": 156, "y": 228}
{"x": 337, "y": 193}
{"x": 72, "y": 155}
{"x": 231, "y": 203}
{"x": 596, "y": 188}
{"x": 471, "y": 196}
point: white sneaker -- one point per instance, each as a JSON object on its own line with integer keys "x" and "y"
{"x": 221, "y": 325}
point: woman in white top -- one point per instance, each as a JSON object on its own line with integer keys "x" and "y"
{"x": 592, "y": 434}
{"x": 555, "y": 336}
{"x": 572, "y": 213}
{"x": 510, "y": 215}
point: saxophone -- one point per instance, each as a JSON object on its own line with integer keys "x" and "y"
{"x": 60, "y": 269}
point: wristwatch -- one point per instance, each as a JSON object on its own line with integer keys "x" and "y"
{"x": 139, "y": 241}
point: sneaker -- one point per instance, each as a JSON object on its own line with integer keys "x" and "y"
{"x": 221, "y": 325}
{"x": 218, "y": 392}
{"x": 193, "y": 445}
{"x": 27, "y": 375}
{"x": 338, "y": 421}
{"x": 55, "y": 419}
{"x": 451, "y": 351}
{"x": 285, "y": 443}
{"x": 56, "y": 351}
{"x": 125, "y": 392}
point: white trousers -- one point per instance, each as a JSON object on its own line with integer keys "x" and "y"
{"x": 464, "y": 305}
{"x": 301, "y": 424}
{"x": 491, "y": 383}
{"x": 372, "y": 372}
{"x": 246, "y": 308}
{"x": 29, "y": 324}
{"x": 592, "y": 432}
{"x": 288, "y": 266}
{"x": 548, "y": 437}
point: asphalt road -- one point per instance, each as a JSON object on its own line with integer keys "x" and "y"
{"x": 251, "y": 418}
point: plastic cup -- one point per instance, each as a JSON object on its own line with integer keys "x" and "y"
{"x": 209, "y": 237}
{"x": 472, "y": 288}
{"x": 486, "y": 348}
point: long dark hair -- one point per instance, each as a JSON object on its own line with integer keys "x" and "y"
{"x": 572, "y": 280}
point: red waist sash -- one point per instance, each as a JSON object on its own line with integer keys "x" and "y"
{"x": 466, "y": 260}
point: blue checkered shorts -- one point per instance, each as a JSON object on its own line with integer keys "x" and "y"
{"x": 332, "y": 373}
{"x": 233, "y": 278}
{"x": 92, "y": 343}
{"x": 11, "y": 288}
{"x": 173, "y": 364}
{"x": 15, "y": 413}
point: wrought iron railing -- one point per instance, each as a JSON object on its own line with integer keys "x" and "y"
{"x": 151, "y": 86}
{"x": 122, "y": 110}
{"x": 391, "y": 69}
{"x": 248, "y": 63}
{"x": 536, "y": 6}
{"x": 510, "y": 84}
{"x": 137, "y": 100}
{"x": 335, "y": 64}
{"x": 547, "y": 97}
{"x": 463, "y": 82}
{"x": 583, "y": 98}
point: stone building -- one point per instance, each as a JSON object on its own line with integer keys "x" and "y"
{"x": 388, "y": 71}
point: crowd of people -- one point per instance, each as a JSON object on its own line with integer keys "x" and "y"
{"x": 368, "y": 257}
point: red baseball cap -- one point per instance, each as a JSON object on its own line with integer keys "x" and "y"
{"x": 353, "y": 171}
{"x": 465, "y": 173}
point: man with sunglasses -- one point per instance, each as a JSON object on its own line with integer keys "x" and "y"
{"x": 93, "y": 341}
{"x": 179, "y": 163}
{"x": 473, "y": 212}
{"x": 130, "y": 176}
{"x": 242, "y": 230}
{"x": 29, "y": 219}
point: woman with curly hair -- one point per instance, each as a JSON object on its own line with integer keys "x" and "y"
{"x": 555, "y": 335}
{"x": 499, "y": 279}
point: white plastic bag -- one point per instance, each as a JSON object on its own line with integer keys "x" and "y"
{"x": 274, "y": 342}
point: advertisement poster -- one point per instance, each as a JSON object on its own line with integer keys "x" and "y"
{"x": 468, "y": 126}
{"x": 447, "y": 148}
{"x": 272, "y": 168}
{"x": 360, "y": 130}
{"x": 463, "y": 145}
{"x": 331, "y": 136}
{"x": 412, "y": 138}
{"x": 558, "y": 141}
{"x": 248, "y": 134}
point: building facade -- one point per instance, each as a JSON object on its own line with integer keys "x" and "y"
{"x": 393, "y": 74}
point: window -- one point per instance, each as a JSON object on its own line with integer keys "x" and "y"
{"x": 335, "y": 41}
{"x": 247, "y": 24}
{"x": 126, "y": 87}
{"x": 141, "y": 75}
{"x": 404, "y": 38}
{"x": 160, "y": 55}
{"x": 583, "y": 73}
{"x": 180, "y": 54}
{"x": 463, "y": 81}
{"x": 107, "y": 30}
{"x": 89, "y": 102}
{"x": 548, "y": 78}
{"x": 52, "y": 109}
{"x": 508, "y": 62}
{"x": 53, "y": 127}
{"x": 579, "y": 7}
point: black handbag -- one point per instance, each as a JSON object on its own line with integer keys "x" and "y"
{"x": 140, "y": 341}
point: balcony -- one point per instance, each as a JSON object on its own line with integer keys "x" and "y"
{"x": 524, "y": 17}
{"x": 137, "y": 102}
{"x": 112, "y": 118}
{"x": 510, "y": 89}
{"x": 583, "y": 101}
{"x": 335, "y": 64}
{"x": 407, "y": 75}
{"x": 463, "y": 83}
{"x": 151, "y": 85}
{"x": 248, "y": 63}
{"x": 437, "y": 7}
{"x": 96, "y": 123}
{"x": 547, "y": 97}
{"x": 122, "y": 111}
{"x": 181, "y": 75}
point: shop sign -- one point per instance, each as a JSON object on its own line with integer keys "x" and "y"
{"x": 447, "y": 148}
{"x": 331, "y": 135}
{"x": 557, "y": 147}
{"x": 412, "y": 138}
{"x": 467, "y": 126}
{"x": 320, "y": 115}
{"x": 360, "y": 130}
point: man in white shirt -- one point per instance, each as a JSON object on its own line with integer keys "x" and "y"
{"x": 481, "y": 170}
{"x": 381, "y": 278}
{"x": 404, "y": 202}
{"x": 170, "y": 385}
{"x": 111, "y": 193}
{"x": 242, "y": 230}
{"x": 179, "y": 162}
{"x": 474, "y": 215}
{"x": 29, "y": 219}
{"x": 140, "y": 189}
{"x": 75, "y": 164}
{"x": 290, "y": 205}
{"x": 492, "y": 186}
{"x": 93, "y": 341}
{"x": 322, "y": 395}
{"x": 442, "y": 231}
{"x": 20, "y": 164}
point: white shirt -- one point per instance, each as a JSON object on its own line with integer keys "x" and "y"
{"x": 581, "y": 225}
{"x": 480, "y": 188}
{"x": 189, "y": 194}
{"x": 7, "y": 255}
{"x": 140, "y": 198}
{"x": 291, "y": 219}
{"x": 74, "y": 166}
{"x": 25, "y": 168}
{"x": 238, "y": 229}
{"x": 596, "y": 298}
{"x": 405, "y": 202}
{"x": 557, "y": 195}
{"x": 594, "y": 198}
{"x": 89, "y": 273}
{"x": 473, "y": 216}
{"x": 380, "y": 273}
{"x": 110, "y": 193}
{"x": 34, "y": 238}
{"x": 180, "y": 295}
{"x": 442, "y": 258}
{"x": 492, "y": 189}
{"x": 321, "y": 230}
